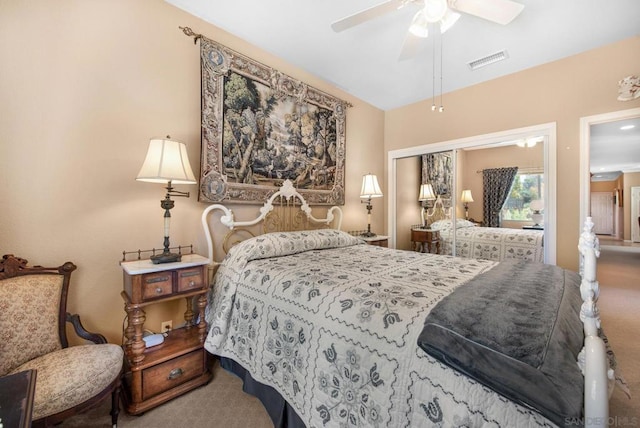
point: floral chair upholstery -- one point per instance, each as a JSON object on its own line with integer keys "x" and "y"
{"x": 33, "y": 320}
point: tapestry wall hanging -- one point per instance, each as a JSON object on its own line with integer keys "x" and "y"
{"x": 261, "y": 127}
{"x": 437, "y": 169}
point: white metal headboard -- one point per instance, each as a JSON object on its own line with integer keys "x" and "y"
{"x": 287, "y": 192}
{"x": 439, "y": 212}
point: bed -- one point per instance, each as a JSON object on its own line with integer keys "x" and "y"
{"x": 491, "y": 243}
{"x": 329, "y": 331}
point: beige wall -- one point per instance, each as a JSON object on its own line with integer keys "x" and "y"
{"x": 409, "y": 208}
{"x": 83, "y": 86}
{"x": 561, "y": 92}
{"x": 603, "y": 186}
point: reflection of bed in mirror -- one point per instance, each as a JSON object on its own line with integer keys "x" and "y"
{"x": 490, "y": 243}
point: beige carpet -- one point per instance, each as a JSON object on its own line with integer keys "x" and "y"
{"x": 619, "y": 278}
{"x": 223, "y": 404}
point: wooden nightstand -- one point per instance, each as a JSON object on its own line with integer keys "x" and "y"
{"x": 476, "y": 222}
{"x": 378, "y": 240}
{"x": 157, "y": 374}
{"x": 430, "y": 237}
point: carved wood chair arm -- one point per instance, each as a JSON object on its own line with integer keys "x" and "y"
{"x": 74, "y": 319}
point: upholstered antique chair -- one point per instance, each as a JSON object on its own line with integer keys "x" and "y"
{"x": 33, "y": 317}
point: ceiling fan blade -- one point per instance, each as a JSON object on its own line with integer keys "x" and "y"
{"x": 366, "y": 15}
{"x": 410, "y": 46}
{"x": 498, "y": 11}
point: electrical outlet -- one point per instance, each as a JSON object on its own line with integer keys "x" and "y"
{"x": 166, "y": 326}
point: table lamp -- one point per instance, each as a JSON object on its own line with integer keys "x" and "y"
{"x": 167, "y": 162}
{"x": 536, "y": 207}
{"x": 426, "y": 194}
{"x": 370, "y": 189}
{"x": 465, "y": 198}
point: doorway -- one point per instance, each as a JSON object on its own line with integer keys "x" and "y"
{"x": 631, "y": 178}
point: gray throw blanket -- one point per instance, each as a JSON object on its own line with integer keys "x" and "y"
{"x": 517, "y": 330}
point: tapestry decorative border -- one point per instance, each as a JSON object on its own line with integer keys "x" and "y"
{"x": 261, "y": 127}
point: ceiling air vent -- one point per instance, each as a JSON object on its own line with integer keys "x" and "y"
{"x": 489, "y": 59}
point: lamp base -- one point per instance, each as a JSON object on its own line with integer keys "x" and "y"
{"x": 368, "y": 234}
{"x": 165, "y": 258}
{"x": 537, "y": 218}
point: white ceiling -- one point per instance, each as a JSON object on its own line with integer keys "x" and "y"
{"x": 363, "y": 60}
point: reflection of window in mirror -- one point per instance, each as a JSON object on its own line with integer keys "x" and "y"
{"x": 523, "y": 201}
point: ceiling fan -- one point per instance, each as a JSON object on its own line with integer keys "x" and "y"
{"x": 442, "y": 12}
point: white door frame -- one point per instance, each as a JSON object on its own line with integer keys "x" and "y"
{"x": 635, "y": 213}
{"x": 585, "y": 139}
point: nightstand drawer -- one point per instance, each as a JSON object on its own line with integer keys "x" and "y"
{"x": 156, "y": 285}
{"x": 165, "y": 376}
{"x": 190, "y": 279}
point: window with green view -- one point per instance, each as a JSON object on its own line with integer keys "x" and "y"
{"x": 526, "y": 188}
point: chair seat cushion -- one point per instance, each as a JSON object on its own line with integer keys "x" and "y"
{"x": 70, "y": 376}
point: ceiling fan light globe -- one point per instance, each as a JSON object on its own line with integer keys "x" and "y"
{"x": 419, "y": 25}
{"x": 448, "y": 20}
{"x": 435, "y": 10}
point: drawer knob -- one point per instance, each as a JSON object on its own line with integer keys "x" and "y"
{"x": 175, "y": 373}
{"x": 192, "y": 284}
{"x": 159, "y": 290}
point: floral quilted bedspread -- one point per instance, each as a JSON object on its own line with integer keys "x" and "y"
{"x": 332, "y": 325}
{"x": 494, "y": 243}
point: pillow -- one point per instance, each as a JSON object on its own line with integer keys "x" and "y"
{"x": 446, "y": 224}
{"x": 278, "y": 244}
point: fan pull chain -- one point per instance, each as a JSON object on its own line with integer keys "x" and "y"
{"x": 441, "y": 109}
{"x": 433, "y": 74}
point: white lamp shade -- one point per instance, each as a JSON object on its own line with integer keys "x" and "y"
{"x": 537, "y": 205}
{"x": 426, "y": 192}
{"x": 370, "y": 187}
{"x": 466, "y": 196}
{"x": 166, "y": 160}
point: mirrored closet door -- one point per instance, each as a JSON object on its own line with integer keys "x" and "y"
{"x": 455, "y": 173}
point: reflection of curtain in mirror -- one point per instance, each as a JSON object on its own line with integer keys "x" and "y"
{"x": 438, "y": 171}
{"x": 497, "y": 184}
